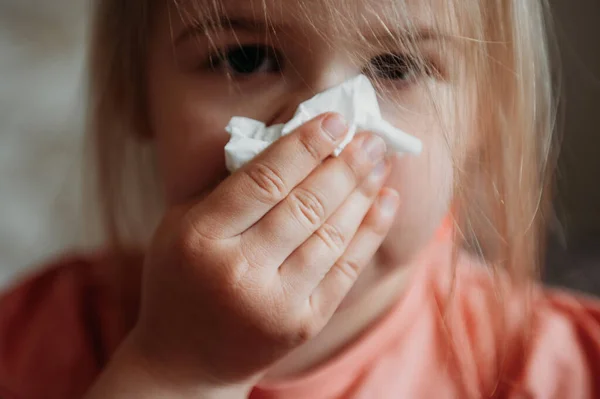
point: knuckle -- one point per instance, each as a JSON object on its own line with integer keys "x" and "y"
{"x": 306, "y": 331}
{"x": 371, "y": 186}
{"x": 205, "y": 256}
{"x": 318, "y": 310}
{"x": 352, "y": 170}
{"x": 189, "y": 242}
{"x": 287, "y": 330}
{"x": 311, "y": 266}
{"x": 270, "y": 186}
{"x": 235, "y": 274}
{"x": 309, "y": 143}
{"x": 307, "y": 207}
{"x": 252, "y": 253}
{"x": 357, "y": 162}
{"x": 331, "y": 235}
{"x": 380, "y": 228}
{"x": 347, "y": 268}
{"x": 377, "y": 223}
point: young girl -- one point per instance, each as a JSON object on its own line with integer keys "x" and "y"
{"x": 304, "y": 275}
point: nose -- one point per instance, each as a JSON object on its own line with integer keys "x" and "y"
{"x": 305, "y": 89}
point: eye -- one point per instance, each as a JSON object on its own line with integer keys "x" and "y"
{"x": 246, "y": 60}
{"x": 394, "y": 67}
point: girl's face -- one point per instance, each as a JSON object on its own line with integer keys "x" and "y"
{"x": 200, "y": 75}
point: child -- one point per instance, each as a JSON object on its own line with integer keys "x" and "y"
{"x": 304, "y": 275}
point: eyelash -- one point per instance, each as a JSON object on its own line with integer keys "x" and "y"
{"x": 397, "y": 66}
{"x": 217, "y": 61}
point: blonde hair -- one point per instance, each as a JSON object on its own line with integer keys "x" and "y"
{"x": 501, "y": 194}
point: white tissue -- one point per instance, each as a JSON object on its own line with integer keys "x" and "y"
{"x": 355, "y": 99}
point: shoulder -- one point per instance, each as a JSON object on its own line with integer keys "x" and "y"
{"x": 542, "y": 342}
{"x": 57, "y": 327}
{"x": 564, "y": 350}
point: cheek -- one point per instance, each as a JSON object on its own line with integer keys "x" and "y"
{"x": 190, "y": 137}
{"x": 189, "y": 146}
{"x": 188, "y": 128}
{"x": 424, "y": 183}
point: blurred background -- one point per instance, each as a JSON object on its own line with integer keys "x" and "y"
{"x": 41, "y": 117}
{"x": 42, "y": 48}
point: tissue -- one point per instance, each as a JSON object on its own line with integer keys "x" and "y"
{"x": 355, "y": 99}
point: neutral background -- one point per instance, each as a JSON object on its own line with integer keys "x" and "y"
{"x": 42, "y": 46}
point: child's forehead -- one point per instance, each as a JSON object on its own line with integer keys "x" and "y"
{"x": 322, "y": 14}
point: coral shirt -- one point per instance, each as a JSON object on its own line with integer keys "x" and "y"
{"x": 450, "y": 335}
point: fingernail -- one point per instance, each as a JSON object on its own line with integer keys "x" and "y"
{"x": 335, "y": 126}
{"x": 379, "y": 169}
{"x": 389, "y": 202}
{"x": 374, "y": 147}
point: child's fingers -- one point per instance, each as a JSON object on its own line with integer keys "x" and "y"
{"x": 247, "y": 195}
{"x": 341, "y": 277}
{"x": 281, "y": 231}
{"x": 309, "y": 263}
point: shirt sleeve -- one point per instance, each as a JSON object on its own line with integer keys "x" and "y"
{"x": 49, "y": 345}
{"x": 520, "y": 344}
{"x": 564, "y": 358}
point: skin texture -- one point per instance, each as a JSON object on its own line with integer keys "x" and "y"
{"x": 265, "y": 256}
{"x": 190, "y": 104}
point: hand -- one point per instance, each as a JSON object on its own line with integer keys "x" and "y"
{"x": 235, "y": 282}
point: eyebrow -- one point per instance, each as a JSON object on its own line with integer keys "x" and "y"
{"x": 224, "y": 23}
{"x": 250, "y": 25}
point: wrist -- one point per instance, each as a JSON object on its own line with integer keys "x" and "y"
{"x": 133, "y": 373}
{"x": 181, "y": 375}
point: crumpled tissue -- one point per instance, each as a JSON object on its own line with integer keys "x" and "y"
{"x": 355, "y": 100}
